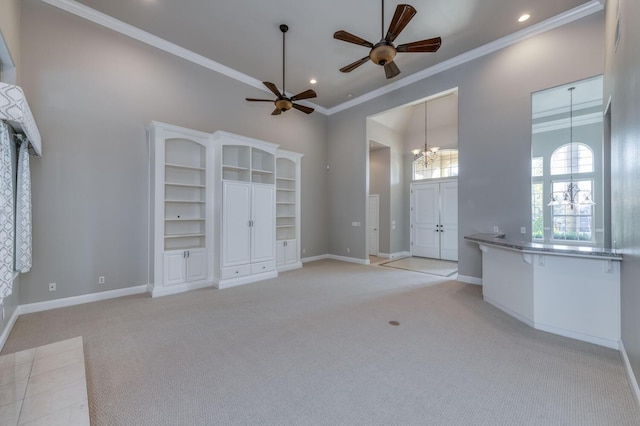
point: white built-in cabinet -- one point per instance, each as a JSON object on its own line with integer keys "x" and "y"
{"x": 434, "y": 219}
{"x": 225, "y": 209}
{"x": 288, "y": 210}
{"x": 245, "y": 209}
{"x": 181, "y": 232}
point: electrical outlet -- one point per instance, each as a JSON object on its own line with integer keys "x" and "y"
{"x": 523, "y": 230}
{"x": 304, "y": 251}
{"x": 52, "y": 286}
{"x": 101, "y": 280}
{"x": 496, "y": 229}
{"x": 348, "y": 250}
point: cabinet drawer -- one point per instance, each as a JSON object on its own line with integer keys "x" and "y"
{"x": 261, "y": 267}
{"x": 235, "y": 271}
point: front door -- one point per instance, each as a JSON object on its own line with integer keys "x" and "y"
{"x": 425, "y": 220}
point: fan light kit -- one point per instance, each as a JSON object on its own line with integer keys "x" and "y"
{"x": 383, "y": 52}
{"x": 282, "y": 102}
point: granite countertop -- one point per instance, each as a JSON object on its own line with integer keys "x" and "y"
{"x": 500, "y": 240}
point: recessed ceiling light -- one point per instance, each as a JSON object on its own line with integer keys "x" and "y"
{"x": 524, "y": 17}
{"x": 313, "y": 81}
{"x": 349, "y": 95}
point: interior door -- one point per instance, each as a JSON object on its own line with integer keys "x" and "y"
{"x": 374, "y": 224}
{"x": 449, "y": 221}
{"x": 425, "y": 220}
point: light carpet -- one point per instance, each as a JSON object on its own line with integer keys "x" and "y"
{"x": 315, "y": 347}
{"x": 443, "y": 268}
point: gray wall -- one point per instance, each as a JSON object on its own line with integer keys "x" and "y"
{"x": 92, "y": 92}
{"x": 494, "y": 134}
{"x": 380, "y": 183}
{"x": 621, "y": 83}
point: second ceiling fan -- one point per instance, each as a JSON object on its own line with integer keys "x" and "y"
{"x": 383, "y": 52}
{"x": 283, "y": 102}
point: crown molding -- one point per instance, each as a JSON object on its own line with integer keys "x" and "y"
{"x": 136, "y": 33}
{"x": 562, "y": 19}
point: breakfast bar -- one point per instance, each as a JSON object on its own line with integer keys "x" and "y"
{"x": 573, "y": 291}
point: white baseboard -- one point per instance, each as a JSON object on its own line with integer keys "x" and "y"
{"x": 469, "y": 280}
{"x": 180, "y": 288}
{"x": 290, "y": 267}
{"x": 349, "y": 259}
{"x": 633, "y": 383}
{"x": 314, "y": 258}
{"x": 79, "y": 300}
{"x": 578, "y": 336}
{"x": 9, "y": 327}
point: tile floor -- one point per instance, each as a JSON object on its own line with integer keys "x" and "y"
{"x": 45, "y": 386}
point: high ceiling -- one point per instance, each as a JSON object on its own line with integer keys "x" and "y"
{"x": 244, "y": 35}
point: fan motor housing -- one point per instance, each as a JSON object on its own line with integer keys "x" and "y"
{"x": 283, "y": 104}
{"x": 382, "y": 53}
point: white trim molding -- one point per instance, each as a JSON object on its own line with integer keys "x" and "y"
{"x": 314, "y": 258}
{"x": 136, "y": 33}
{"x": 557, "y": 21}
{"x": 633, "y": 383}
{"x": 79, "y": 300}
{"x": 349, "y": 259}
{"x": 8, "y": 327}
{"x": 469, "y": 280}
{"x": 107, "y": 21}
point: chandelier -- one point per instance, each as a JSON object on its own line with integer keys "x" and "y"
{"x": 429, "y": 154}
{"x": 572, "y": 196}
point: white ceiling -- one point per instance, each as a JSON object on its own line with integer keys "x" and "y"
{"x": 244, "y": 35}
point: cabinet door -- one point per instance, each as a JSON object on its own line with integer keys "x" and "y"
{"x": 280, "y": 253}
{"x": 236, "y": 230}
{"x": 291, "y": 251}
{"x": 174, "y": 267}
{"x": 196, "y": 265}
{"x": 263, "y": 230}
{"x": 449, "y": 221}
{"x": 425, "y": 215}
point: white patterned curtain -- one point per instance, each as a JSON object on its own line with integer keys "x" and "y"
{"x": 23, "y": 210}
{"x": 7, "y": 223}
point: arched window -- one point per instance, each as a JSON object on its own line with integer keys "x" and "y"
{"x": 445, "y": 164}
{"x": 572, "y": 158}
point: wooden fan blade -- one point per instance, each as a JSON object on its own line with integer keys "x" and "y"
{"x": 273, "y": 88}
{"x": 276, "y": 111}
{"x": 303, "y": 108}
{"x": 430, "y": 45}
{"x": 259, "y": 100}
{"x": 391, "y": 69}
{"x": 307, "y": 94}
{"x": 354, "y": 65}
{"x": 350, "y": 38}
{"x": 404, "y": 14}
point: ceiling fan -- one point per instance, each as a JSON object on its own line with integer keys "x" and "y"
{"x": 383, "y": 52}
{"x": 282, "y": 102}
